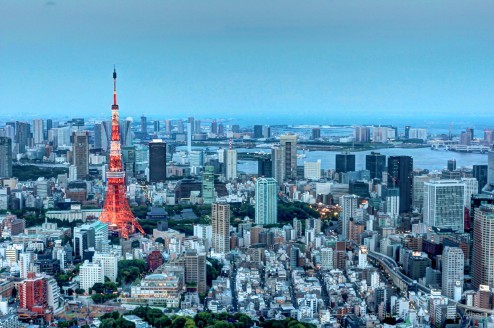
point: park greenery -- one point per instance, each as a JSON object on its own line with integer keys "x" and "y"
{"x": 115, "y": 320}
{"x": 102, "y": 292}
{"x": 130, "y": 270}
{"x": 158, "y": 319}
{"x": 33, "y": 172}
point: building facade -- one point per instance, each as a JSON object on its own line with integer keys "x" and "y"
{"x": 266, "y": 201}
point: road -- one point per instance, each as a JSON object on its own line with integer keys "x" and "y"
{"x": 395, "y": 271}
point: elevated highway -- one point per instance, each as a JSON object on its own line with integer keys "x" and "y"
{"x": 405, "y": 283}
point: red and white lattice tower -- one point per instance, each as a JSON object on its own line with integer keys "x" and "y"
{"x": 116, "y": 211}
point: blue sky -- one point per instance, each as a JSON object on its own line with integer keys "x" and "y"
{"x": 282, "y": 59}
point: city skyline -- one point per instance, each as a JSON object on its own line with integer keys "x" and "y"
{"x": 268, "y": 60}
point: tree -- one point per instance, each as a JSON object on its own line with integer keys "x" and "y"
{"x": 153, "y": 314}
{"x": 190, "y": 323}
{"x": 179, "y": 322}
{"x": 122, "y": 323}
{"x": 162, "y": 322}
{"x": 203, "y": 319}
{"x": 98, "y": 288}
{"x": 98, "y": 298}
{"x": 141, "y": 311}
{"x": 80, "y": 291}
{"x": 108, "y": 323}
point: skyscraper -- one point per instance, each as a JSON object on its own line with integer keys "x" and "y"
{"x": 156, "y": 126}
{"x": 257, "y": 131}
{"x": 190, "y": 120}
{"x": 144, "y": 124}
{"x": 220, "y": 220}
{"x": 375, "y": 163}
{"x": 22, "y": 135}
{"x": 214, "y": 127}
{"x": 345, "y": 162}
{"x": 316, "y": 133}
{"x": 480, "y": 173}
{"x": 265, "y": 167}
{"x": 349, "y": 206}
{"x": 168, "y": 126}
{"x": 197, "y": 126}
{"x": 38, "y": 131}
{"x": 195, "y": 270}
{"x": 98, "y": 134}
{"x": 312, "y": 170}
{"x": 362, "y": 134}
{"x": 444, "y": 204}
{"x": 208, "y": 185}
{"x": 400, "y": 175}
{"x": 5, "y": 157}
{"x": 393, "y": 202}
{"x": 266, "y": 201}
{"x": 49, "y": 125}
{"x": 418, "y": 191}
{"x": 125, "y": 131}
{"x": 33, "y": 292}
{"x": 453, "y": 267}
{"x": 483, "y": 247}
{"x": 277, "y": 165}
{"x": 231, "y": 164}
{"x": 451, "y": 164}
{"x": 180, "y": 126}
{"x": 157, "y": 161}
{"x": 289, "y": 155}
{"x": 80, "y": 151}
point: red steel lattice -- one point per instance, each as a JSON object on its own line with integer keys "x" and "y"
{"x": 116, "y": 211}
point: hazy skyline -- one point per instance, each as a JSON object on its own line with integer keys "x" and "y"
{"x": 278, "y": 59}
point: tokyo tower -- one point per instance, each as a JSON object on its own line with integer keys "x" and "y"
{"x": 116, "y": 211}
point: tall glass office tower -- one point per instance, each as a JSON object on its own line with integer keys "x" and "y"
{"x": 266, "y": 201}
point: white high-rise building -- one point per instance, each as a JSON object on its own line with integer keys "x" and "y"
{"x": 38, "y": 131}
{"x": 362, "y": 257}
{"x": 415, "y": 133}
{"x": 453, "y": 266}
{"x": 393, "y": 203}
{"x": 59, "y": 254}
{"x": 53, "y": 295}
{"x": 231, "y": 164}
{"x": 349, "y": 206}
{"x": 312, "y": 170}
{"x": 327, "y": 258}
{"x": 418, "y": 190}
{"x": 204, "y": 231}
{"x": 374, "y": 279}
{"x": 382, "y": 134}
{"x": 266, "y": 201}
{"x": 471, "y": 188}
{"x": 109, "y": 263}
{"x": 90, "y": 273}
{"x": 444, "y": 204}
{"x": 72, "y": 173}
{"x": 25, "y": 260}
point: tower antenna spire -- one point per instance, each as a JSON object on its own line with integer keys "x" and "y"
{"x": 114, "y": 85}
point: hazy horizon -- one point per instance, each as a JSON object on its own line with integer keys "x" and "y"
{"x": 284, "y": 61}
